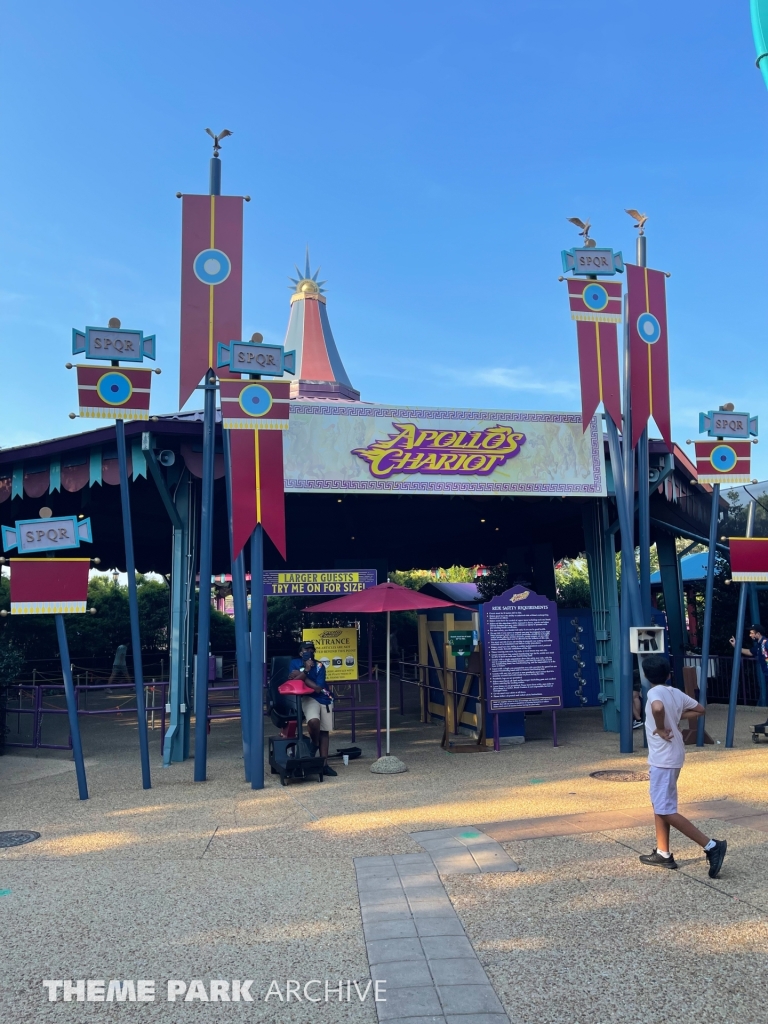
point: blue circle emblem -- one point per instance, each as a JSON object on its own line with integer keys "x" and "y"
{"x": 212, "y": 266}
{"x": 723, "y": 458}
{"x": 255, "y": 400}
{"x": 648, "y": 327}
{"x": 595, "y": 297}
{"x": 114, "y": 388}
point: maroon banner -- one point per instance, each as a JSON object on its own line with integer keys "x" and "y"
{"x": 211, "y": 283}
{"x": 254, "y": 404}
{"x": 598, "y": 369}
{"x": 118, "y": 393}
{"x": 723, "y": 462}
{"x": 257, "y": 486}
{"x": 49, "y": 586}
{"x": 648, "y": 351}
{"x": 594, "y": 300}
{"x": 749, "y": 559}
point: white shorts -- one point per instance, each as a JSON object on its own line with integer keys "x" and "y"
{"x": 314, "y": 709}
{"x": 664, "y": 789}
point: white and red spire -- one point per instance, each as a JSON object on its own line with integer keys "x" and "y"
{"x": 320, "y": 372}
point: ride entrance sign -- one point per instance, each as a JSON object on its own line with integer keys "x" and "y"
{"x": 522, "y": 654}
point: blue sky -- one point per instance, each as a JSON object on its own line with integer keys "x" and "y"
{"x": 429, "y": 154}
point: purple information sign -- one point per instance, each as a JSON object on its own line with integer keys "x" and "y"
{"x": 522, "y": 652}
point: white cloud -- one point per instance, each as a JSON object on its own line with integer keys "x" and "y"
{"x": 520, "y": 378}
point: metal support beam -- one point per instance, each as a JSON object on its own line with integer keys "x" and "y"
{"x": 672, "y": 585}
{"x": 133, "y": 604}
{"x": 206, "y": 558}
{"x": 257, "y": 659}
{"x": 739, "y": 635}
{"x": 242, "y": 640}
{"x": 677, "y": 531}
{"x": 69, "y": 691}
{"x": 604, "y": 598}
{"x": 706, "y": 633}
{"x": 176, "y": 744}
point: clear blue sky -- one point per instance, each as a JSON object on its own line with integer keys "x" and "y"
{"x": 429, "y": 153}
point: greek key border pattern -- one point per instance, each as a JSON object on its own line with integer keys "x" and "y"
{"x": 443, "y": 487}
{"x": 398, "y": 412}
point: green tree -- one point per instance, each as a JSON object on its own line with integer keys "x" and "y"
{"x": 495, "y": 582}
{"x": 572, "y": 583}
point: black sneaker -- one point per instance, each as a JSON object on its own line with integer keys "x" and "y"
{"x": 716, "y": 856}
{"x": 329, "y": 771}
{"x": 656, "y": 860}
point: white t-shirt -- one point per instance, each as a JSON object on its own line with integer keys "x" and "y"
{"x": 667, "y": 753}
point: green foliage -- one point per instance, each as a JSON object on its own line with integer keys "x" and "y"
{"x": 222, "y": 632}
{"x": 418, "y": 578}
{"x": 572, "y": 582}
{"x": 496, "y": 582}
{"x": 94, "y": 636}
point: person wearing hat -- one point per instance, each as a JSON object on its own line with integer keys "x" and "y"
{"x": 316, "y": 706}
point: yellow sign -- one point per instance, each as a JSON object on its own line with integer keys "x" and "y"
{"x": 336, "y": 648}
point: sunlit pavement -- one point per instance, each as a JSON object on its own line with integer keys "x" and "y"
{"x": 216, "y": 881}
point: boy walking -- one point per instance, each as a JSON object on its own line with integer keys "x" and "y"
{"x": 666, "y": 754}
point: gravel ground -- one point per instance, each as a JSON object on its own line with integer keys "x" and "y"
{"x": 215, "y": 881}
{"x": 588, "y": 935}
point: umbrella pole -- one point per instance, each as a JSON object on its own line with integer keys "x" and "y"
{"x": 388, "y": 614}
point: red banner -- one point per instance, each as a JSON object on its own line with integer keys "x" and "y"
{"x": 116, "y": 393}
{"x": 257, "y": 486}
{"x": 254, "y": 404}
{"x": 211, "y": 283}
{"x": 749, "y": 559}
{"x": 726, "y": 462}
{"x": 648, "y": 351}
{"x": 47, "y": 586}
{"x": 598, "y": 369}
{"x": 598, "y": 301}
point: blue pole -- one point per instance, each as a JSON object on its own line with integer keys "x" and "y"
{"x": 257, "y": 658}
{"x": 706, "y": 632}
{"x": 69, "y": 690}
{"x": 241, "y": 620}
{"x": 206, "y": 560}
{"x": 740, "y": 617}
{"x": 133, "y": 604}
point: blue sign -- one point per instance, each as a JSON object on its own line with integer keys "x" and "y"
{"x": 333, "y": 583}
{"x": 722, "y": 423}
{"x": 113, "y": 343}
{"x": 597, "y": 262}
{"x": 250, "y": 357}
{"x": 56, "y": 533}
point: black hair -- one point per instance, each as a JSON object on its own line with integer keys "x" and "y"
{"x": 757, "y": 628}
{"x": 657, "y": 669}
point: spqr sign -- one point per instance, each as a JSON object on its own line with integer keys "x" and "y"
{"x": 56, "y": 533}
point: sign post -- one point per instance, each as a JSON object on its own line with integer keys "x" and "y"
{"x": 120, "y": 394}
{"x": 41, "y": 586}
{"x": 717, "y": 461}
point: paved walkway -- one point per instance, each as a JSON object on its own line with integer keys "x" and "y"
{"x": 464, "y": 851}
{"x": 417, "y": 945}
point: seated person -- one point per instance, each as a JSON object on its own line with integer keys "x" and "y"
{"x": 318, "y": 713}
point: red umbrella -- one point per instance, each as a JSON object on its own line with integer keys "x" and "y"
{"x": 386, "y": 597}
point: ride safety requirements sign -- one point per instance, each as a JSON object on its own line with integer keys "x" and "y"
{"x": 522, "y": 652}
{"x": 332, "y": 584}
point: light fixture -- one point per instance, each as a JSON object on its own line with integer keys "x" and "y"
{"x": 338, "y": 501}
{"x": 482, "y": 520}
